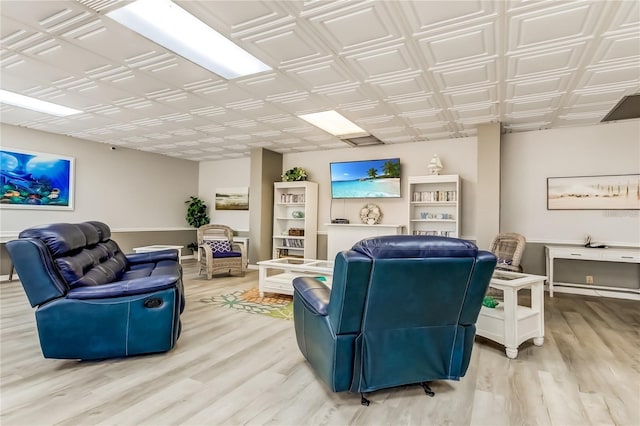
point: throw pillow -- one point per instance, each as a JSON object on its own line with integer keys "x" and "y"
{"x": 219, "y": 246}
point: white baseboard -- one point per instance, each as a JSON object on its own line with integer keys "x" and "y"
{"x": 600, "y": 293}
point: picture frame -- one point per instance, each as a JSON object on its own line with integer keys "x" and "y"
{"x": 232, "y": 198}
{"x": 36, "y": 180}
{"x": 604, "y": 192}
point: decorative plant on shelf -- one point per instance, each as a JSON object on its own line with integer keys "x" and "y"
{"x": 196, "y": 216}
{"x": 294, "y": 174}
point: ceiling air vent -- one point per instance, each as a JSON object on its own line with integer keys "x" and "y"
{"x": 628, "y": 107}
{"x": 363, "y": 141}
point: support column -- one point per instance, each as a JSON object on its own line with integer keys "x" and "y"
{"x": 266, "y": 168}
{"x": 488, "y": 185}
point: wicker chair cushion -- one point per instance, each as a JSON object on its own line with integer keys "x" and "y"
{"x": 219, "y": 246}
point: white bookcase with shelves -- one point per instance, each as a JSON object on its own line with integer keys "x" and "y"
{"x": 295, "y": 219}
{"x": 434, "y": 205}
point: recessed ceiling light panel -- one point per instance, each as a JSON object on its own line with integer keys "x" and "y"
{"x": 169, "y": 25}
{"x": 34, "y": 104}
{"x": 334, "y": 123}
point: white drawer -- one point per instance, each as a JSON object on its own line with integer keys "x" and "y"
{"x": 580, "y": 254}
{"x": 631, "y": 257}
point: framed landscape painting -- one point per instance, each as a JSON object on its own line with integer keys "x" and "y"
{"x": 232, "y": 198}
{"x": 35, "y": 180}
{"x": 609, "y": 192}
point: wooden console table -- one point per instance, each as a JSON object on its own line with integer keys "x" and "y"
{"x": 625, "y": 255}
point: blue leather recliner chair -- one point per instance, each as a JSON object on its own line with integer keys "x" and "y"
{"x": 401, "y": 310}
{"x": 92, "y": 300}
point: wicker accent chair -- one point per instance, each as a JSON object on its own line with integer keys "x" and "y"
{"x": 509, "y": 248}
{"x": 218, "y": 252}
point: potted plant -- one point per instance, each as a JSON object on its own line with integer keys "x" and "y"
{"x": 294, "y": 174}
{"x": 196, "y": 217}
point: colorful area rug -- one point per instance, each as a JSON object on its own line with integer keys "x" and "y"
{"x": 275, "y": 305}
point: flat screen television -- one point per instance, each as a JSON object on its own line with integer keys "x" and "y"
{"x": 366, "y": 179}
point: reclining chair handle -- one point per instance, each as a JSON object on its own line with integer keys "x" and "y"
{"x": 153, "y": 303}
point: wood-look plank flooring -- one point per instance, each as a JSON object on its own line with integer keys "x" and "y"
{"x": 231, "y": 368}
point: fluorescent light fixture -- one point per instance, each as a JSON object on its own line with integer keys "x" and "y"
{"x": 34, "y": 104}
{"x": 334, "y": 123}
{"x": 169, "y": 25}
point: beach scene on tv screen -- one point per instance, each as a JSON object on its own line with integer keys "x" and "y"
{"x": 366, "y": 179}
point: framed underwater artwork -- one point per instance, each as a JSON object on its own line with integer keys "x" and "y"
{"x": 35, "y": 180}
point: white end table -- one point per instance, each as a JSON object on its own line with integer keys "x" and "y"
{"x": 159, "y": 247}
{"x": 511, "y": 324}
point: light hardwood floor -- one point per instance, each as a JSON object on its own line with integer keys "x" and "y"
{"x": 232, "y": 368}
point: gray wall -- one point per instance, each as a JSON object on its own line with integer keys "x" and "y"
{"x": 529, "y": 158}
{"x": 232, "y": 173}
{"x": 132, "y": 191}
{"x": 125, "y": 188}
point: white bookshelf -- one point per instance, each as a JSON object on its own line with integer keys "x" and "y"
{"x": 434, "y": 205}
{"x": 293, "y": 199}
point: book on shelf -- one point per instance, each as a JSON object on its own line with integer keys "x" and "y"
{"x": 293, "y": 243}
{"x": 431, "y": 196}
{"x": 436, "y": 233}
{"x": 292, "y": 198}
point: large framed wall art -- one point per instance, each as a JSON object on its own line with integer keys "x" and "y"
{"x": 609, "y": 192}
{"x": 35, "y": 180}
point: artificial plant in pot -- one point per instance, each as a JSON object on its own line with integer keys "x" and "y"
{"x": 196, "y": 217}
{"x": 294, "y": 174}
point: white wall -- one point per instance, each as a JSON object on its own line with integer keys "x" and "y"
{"x": 529, "y": 158}
{"x": 225, "y": 174}
{"x": 127, "y": 189}
{"x": 458, "y": 157}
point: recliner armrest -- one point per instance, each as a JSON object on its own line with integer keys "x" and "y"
{"x": 153, "y": 256}
{"x": 313, "y": 293}
{"x": 125, "y": 288}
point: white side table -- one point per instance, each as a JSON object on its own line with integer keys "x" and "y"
{"x": 511, "y": 324}
{"x": 159, "y": 247}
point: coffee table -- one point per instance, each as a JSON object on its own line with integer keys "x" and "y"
{"x": 509, "y": 323}
{"x": 276, "y": 275}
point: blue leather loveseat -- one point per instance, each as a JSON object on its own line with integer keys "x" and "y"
{"x": 401, "y": 310}
{"x": 92, "y": 300}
